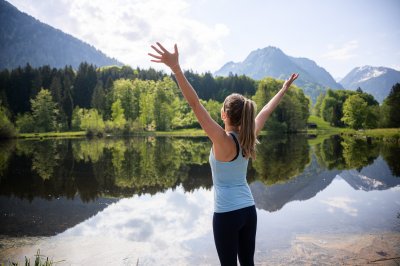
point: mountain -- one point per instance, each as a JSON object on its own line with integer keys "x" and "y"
{"x": 272, "y": 62}
{"x": 377, "y": 81}
{"x": 24, "y": 39}
{"x": 302, "y": 187}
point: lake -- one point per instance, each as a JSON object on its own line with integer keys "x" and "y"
{"x": 149, "y": 201}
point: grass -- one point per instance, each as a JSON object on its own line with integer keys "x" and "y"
{"x": 386, "y": 134}
{"x": 321, "y": 124}
{"x": 40, "y": 260}
{"x": 324, "y": 129}
{"x": 188, "y": 132}
{"x": 66, "y": 134}
{"x": 191, "y": 132}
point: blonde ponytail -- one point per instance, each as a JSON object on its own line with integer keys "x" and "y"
{"x": 247, "y": 132}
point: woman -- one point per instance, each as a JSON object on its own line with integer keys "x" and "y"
{"x": 235, "y": 217}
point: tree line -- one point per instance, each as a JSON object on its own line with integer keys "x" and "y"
{"x": 124, "y": 100}
{"x": 359, "y": 110}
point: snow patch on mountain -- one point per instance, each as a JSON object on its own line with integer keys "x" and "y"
{"x": 372, "y": 73}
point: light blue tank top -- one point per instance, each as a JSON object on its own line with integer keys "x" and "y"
{"x": 231, "y": 191}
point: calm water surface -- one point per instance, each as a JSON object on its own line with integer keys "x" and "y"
{"x": 149, "y": 201}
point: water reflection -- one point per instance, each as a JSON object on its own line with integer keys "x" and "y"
{"x": 174, "y": 228}
{"x": 347, "y": 153}
{"x": 92, "y": 168}
{"x": 279, "y": 159}
{"x": 97, "y": 168}
{"x": 152, "y": 197}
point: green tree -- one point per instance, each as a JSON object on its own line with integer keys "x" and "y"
{"x": 162, "y": 110}
{"x": 183, "y": 115}
{"x": 164, "y": 94}
{"x": 85, "y": 81}
{"x": 332, "y": 106}
{"x": 390, "y": 109}
{"x": 7, "y": 129}
{"x": 146, "y": 116}
{"x": 372, "y": 117}
{"x": 292, "y": 112}
{"x": 330, "y": 110}
{"x": 318, "y": 104}
{"x": 99, "y": 98}
{"x": 117, "y": 115}
{"x": 124, "y": 90}
{"x": 214, "y": 108}
{"x": 44, "y": 111}
{"x": 25, "y": 123}
{"x": 92, "y": 122}
{"x": 67, "y": 103}
{"x": 355, "y": 112}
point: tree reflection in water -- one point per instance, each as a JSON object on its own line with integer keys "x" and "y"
{"x": 124, "y": 166}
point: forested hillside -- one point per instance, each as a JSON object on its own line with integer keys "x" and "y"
{"x": 24, "y": 39}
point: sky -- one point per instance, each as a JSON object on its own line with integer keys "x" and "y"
{"x": 338, "y": 35}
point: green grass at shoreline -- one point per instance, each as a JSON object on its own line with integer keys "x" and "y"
{"x": 192, "y": 132}
{"x": 66, "y": 134}
{"x": 323, "y": 130}
{"x": 389, "y": 134}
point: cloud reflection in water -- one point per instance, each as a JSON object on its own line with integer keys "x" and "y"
{"x": 167, "y": 227}
{"x": 341, "y": 203}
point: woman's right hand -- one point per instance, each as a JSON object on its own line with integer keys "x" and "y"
{"x": 166, "y": 57}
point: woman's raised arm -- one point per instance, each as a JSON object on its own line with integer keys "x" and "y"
{"x": 264, "y": 114}
{"x": 214, "y": 131}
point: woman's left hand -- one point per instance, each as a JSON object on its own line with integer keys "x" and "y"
{"x": 289, "y": 82}
{"x": 166, "y": 57}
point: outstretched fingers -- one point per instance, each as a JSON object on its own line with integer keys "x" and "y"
{"x": 158, "y": 59}
{"x": 155, "y": 56}
{"x": 162, "y": 55}
{"x": 156, "y": 49}
{"x": 162, "y": 48}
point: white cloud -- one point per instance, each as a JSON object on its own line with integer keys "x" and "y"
{"x": 345, "y": 52}
{"x": 396, "y": 67}
{"x": 125, "y": 29}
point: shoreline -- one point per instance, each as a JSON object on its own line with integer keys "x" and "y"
{"x": 380, "y": 134}
{"x": 381, "y": 248}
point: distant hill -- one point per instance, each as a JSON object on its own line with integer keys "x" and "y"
{"x": 272, "y": 62}
{"x": 377, "y": 81}
{"x": 24, "y": 39}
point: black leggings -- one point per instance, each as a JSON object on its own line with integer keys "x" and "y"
{"x": 235, "y": 235}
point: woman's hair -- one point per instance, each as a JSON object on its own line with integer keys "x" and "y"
{"x": 241, "y": 113}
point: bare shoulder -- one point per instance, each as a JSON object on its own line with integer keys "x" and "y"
{"x": 225, "y": 148}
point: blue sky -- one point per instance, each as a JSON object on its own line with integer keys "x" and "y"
{"x": 337, "y": 34}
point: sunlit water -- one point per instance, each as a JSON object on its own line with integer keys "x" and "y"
{"x": 320, "y": 211}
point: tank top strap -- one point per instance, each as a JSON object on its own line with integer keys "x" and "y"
{"x": 237, "y": 146}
